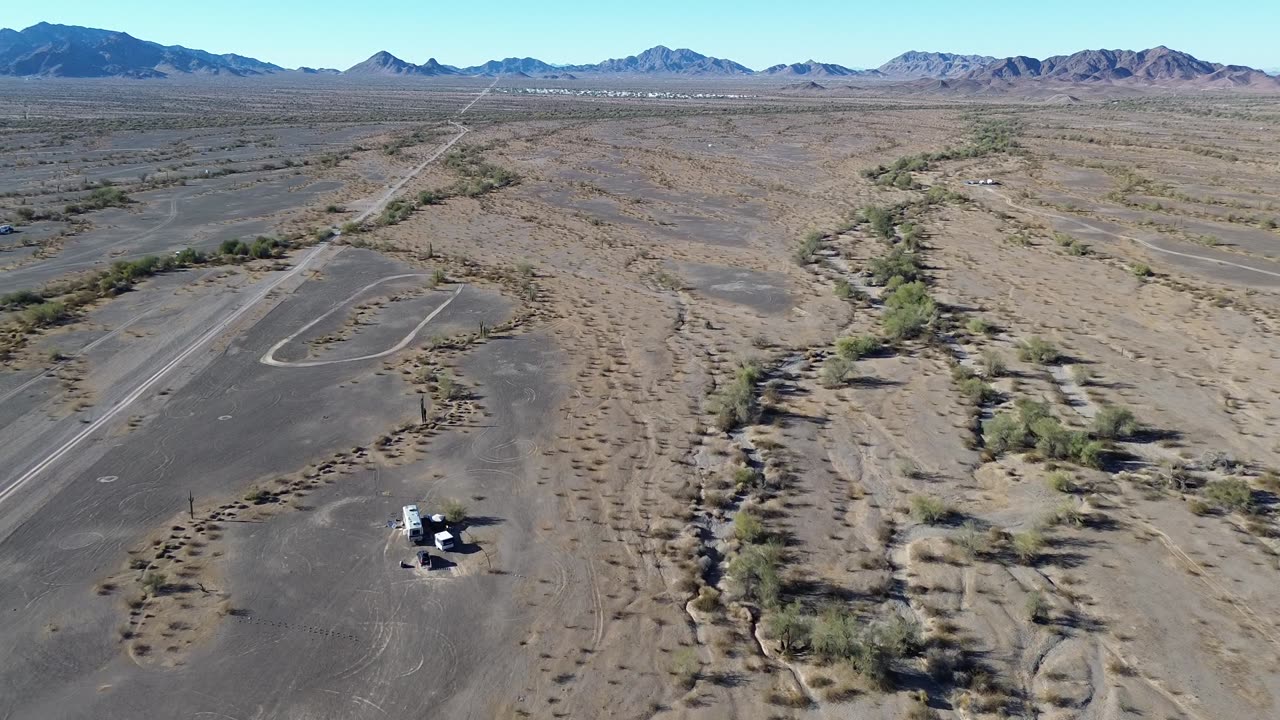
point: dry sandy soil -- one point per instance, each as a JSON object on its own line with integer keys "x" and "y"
{"x": 852, "y": 543}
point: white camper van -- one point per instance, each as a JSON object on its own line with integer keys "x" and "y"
{"x": 412, "y": 524}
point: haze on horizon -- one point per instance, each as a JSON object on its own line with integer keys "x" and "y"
{"x": 325, "y": 33}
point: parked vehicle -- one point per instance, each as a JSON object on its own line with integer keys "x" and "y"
{"x": 424, "y": 559}
{"x": 444, "y": 540}
{"x": 6, "y": 229}
{"x": 412, "y": 524}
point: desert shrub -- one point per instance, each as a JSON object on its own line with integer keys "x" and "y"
{"x": 1037, "y": 608}
{"x": 838, "y": 636}
{"x": 735, "y": 404}
{"x": 1090, "y": 454}
{"x": 909, "y": 311}
{"x": 790, "y": 627}
{"x": 909, "y": 468}
{"x": 1141, "y": 270}
{"x": 978, "y": 326}
{"x": 836, "y": 371}
{"x": 880, "y": 219}
{"x": 1066, "y": 513}
{"x": 44, "y": 314}
{"x": 446, "y": 387}
{"x": 747, "y": 478}
{"x": 928, "y": 509}
{"x": 708, "y": 599}
{"x": 1037, "y": 350}
{"x": 900, "y": 636}
{"x": 748, "y": 527}
{"x": 1004, "y": 432}
{"x": 843, "y": 289}
{"x": 1028, "y": 545}
{"x": 154, "y": 582}
{"x": 754, "y": 573}
{"x": 993, "y": 364}
{"x": 857, "y": 347}
{"x": 898, "y": 262}
{"x": 1113, "y": 422}
{"x": 266, "y": 247}
{"x": 975, "y": 390}
{"x": 455, "y": 511}
{"x": 912, "y": 235}
{"x": 1198, "y": 507}
{"x": 972, "y": 541}
{"x": 1052, "y": 440}
{"x": 1081, "y": 374}
{"x": 1232, "y": 494}
{"x": 105, "y": 197}
{"x": 834, "y": 634}
{"x": 1060, "y": 481}
{"x": 685, "y": 668}
{"x": 19, "y": 299}
{"x": 431, "y": 197}
{"x": 396, "y": 211}
{"x": 809, "y": 245}
{"x": 234, "y": 248}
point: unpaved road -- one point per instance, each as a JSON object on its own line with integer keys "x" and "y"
{"x": 1217, "y": 265}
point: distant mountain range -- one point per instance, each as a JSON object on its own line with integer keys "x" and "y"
{"x": 914, "y": 64}
{"x": 1159, "y": 65}
{"x": 71, "y": 51}
{"x": 813, "y": 68}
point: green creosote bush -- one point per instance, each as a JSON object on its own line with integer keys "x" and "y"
{"x": 979, "y": 326}
{"x": 753, "y": 573}
{"x": 1232, "y": 494}
{"x": 857, "y": 347}
{"x": 880, "y": 219}
{"x": 19, "y": 299}
{"x": 909, "y": 311}
{"x": 790, "y": 627}
{"x": 1114, "y": 423}
{"x": 1037, "y": 608}
{"x": 1037, "y": 350}
{"x": 809, "y": 246}
{"x": 1028, "y": 546}
{"x": 748, "y": 527}
{"x": 746, "y": 478}
{"x": 1032, "y": 425}
{"x": 455, "y": 511}
{"x": 1060, "y": 481}
{"x": 975, "y": 390}
{"x": 993, "y": 364}
{"x": 843, "y": 289}
{"x": 898, "y": 262}
{"x": 154, "y": 582}
{"x": 837, "y": 370}
{"x": 685, "y": 668}
{"x": 929, "y": 510}
{"x": 735, "y": 404}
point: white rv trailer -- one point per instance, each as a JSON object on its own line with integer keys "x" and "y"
{"x": 412, "y": 524}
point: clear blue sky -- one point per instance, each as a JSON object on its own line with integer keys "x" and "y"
{"x": 757, "y": 33}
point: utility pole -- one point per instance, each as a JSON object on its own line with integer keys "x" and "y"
{"x": 191, "y": 504}
{"x": 422, "y": 408}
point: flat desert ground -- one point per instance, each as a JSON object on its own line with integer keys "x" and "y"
{"x": 746, "y": 403}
